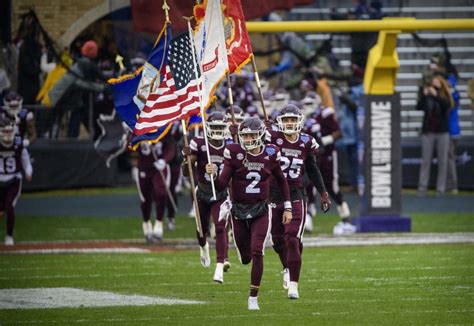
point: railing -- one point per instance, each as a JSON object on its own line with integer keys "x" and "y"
{"x": 53, "y": 123}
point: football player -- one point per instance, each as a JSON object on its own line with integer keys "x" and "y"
{"x": 216, "y": 130}
{"x": 238, "y": 115}
{"x": 250, "y": 165}
{"x": 298, "y": 152}
{"x": 23, "y": 119}
{"x": 175, "y": 173}
{"x": 151, "y": 173}
{"x": 324, "y": 127}
{"x": 14, "y": 159}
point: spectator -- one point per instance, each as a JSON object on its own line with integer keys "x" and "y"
{"x": 70, "y": 93}
{"x": 435, "y": 100}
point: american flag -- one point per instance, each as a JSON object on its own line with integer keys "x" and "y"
{"x": 177, "y": 95}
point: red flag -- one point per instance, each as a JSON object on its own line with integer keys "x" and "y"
{"x": 239, "y": 49}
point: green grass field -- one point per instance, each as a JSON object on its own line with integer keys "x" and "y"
{"x": 368, "y": 285}
{"x": 50, "y": 228}
{"x": 389, "y": 285}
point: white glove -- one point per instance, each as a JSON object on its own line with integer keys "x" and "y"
{"x": 225, "y": 209}
{"x": 160, "y": 164}
{"x": 26, "y": 142}
{"x": 135, "y": 173}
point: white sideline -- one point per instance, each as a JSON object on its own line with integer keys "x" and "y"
{"x": 388, "y": 239}
{"x": 41, "y": 298}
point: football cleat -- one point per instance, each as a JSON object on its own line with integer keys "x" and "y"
{"x": 253, "y": 303}
{"x": 342, "y": 228}
{"x": 158, "y": 230}
{"x": 312, "y": 209}
{"x": 226, "y": 266}
{"x": 343, "y": 210}
{"x": 286, "y": 278}
{"x": 9, "y": 240}
{"x": 219, "y": 273}
{"x": 308, "y": 225}
{"x": 293, "y": 291}
{"x": 192, "y": 213}
{"x": 205, "y": 257}
{"x": 171, "y": 224}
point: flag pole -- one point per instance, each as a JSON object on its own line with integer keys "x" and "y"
{"x": 197, "y": 216}
{"x": 259, "y": 87}
{"x": 231, "y": 103}
{"x": 201, "y": 105}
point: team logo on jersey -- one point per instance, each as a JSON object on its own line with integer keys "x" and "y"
{"x": 301, "y": 145}
{"x": 279, "y": 141}
{"x": 270, "y": 150}
{"x": 305, "y": 138}
{"x": 203, "y": 148}
{"x": 266, "y": 158}
{"x": 240, "y": 156}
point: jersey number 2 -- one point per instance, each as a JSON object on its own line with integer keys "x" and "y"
{"x": 251, "y": 188}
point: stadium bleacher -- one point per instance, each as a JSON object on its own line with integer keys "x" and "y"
{"x": 413, "y": 57}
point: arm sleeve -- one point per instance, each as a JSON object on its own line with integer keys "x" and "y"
{"x": 26, "y": 162}
{"x": 314, "y": 174}
{"x": 282, "y": 183}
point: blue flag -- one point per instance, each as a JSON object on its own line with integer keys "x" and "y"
{"x": 130, "y": 92}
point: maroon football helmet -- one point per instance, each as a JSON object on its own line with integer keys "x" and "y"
{"x": 251, "y": 133}
{"x": 290, "y": 120}
{"x": 13, "y": 103}
{"x": 7, "y": 130}
{"x": 216, "y": 125}
{"x": 238, "y": 114}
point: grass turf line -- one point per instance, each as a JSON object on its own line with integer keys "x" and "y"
{"x": 426, "y": 284}
{"x": 50, "y": 228}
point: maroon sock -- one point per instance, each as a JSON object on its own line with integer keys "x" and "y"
{"x": 256, "y": 275}
{"x": 279, "y": 246}
{"x": 221, "y": 243}
{"x": 294, "y": 257}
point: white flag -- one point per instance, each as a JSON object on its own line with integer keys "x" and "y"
{"x": 209, "y": 40}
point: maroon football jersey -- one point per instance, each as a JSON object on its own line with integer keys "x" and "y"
{"x": 198, "y": 148}
{"x": 10, "y": 158}
{"x": 164, "y": 149}
{"x": 250, "y": 173}
{"x": 323, "y": 123}
{"x": 293, "y": 155}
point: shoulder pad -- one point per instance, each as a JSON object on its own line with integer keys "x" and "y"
{"x": 304, "y": 138}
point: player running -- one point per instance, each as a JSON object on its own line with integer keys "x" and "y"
{"x": 324, "y": 127}
{"x": 298, "y": 152}
{"x": 14, "y": 160}
{"x": 216, "y": 129}
{"x": 250, "y": 165}
{"x": 151, "y": 173}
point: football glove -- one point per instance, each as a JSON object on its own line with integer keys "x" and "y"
{"x": 160, "y": 164}
{"x": 325, "y": 202}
